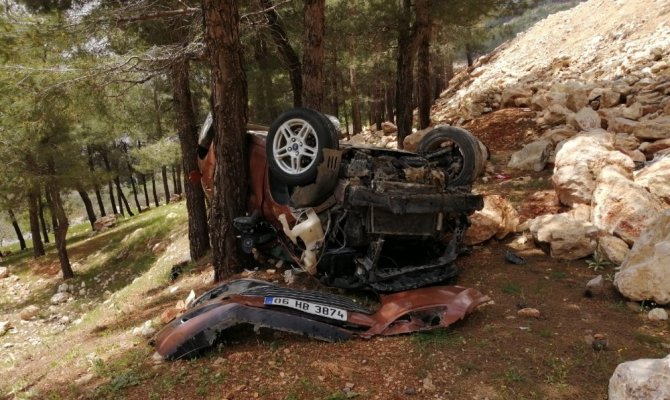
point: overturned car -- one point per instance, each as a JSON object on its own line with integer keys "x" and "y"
{"x": 355, "y": 216}
{"x": 314, "y": 314}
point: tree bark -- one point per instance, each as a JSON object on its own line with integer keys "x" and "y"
{"x": 38, "y": 246}
{"x": 41, "y": 221}
{"x": 425, "y": 97}
{"x": 166, "y": 188}
{"x": 147, "y": 202}
{"x": 153, "y": 189}
{"x": 178, "y": 169}
{"x": 123, "y": 201}
{"x": 198, "y": 234}
{"x": 88, "y": 205}
{"x": 96, "y": 186}
{"x": 388, "y": 93}
{"x": 229, "y": 105}
{"x": 60, "y": 229}
{"x": 312, "y": 59}
{"x": 132, "y": 184}
{"x": 357, "y": 124}
{"x": 408, "y": 43}
{"x": 17, "y": 229}
{"x": 288, "y": 55}
{"x": 108, "y": 168}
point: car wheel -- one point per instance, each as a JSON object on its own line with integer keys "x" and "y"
{"x": 470, "y": 152}
{"x": 295, "y": 144}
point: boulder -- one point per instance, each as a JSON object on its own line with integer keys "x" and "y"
{"x": 586, "y": 119}
{"x": 411, "y": 142}
{"x": 633, "y": 112}
{"x": 624, "y": 141}
{"x": 622, "y": 207}
{"x": 645, "y": 273}
{"x": 511, "y": 93}
{"x": 533, "y": 157}
{"x": 655, "y": 177}
{"x": 644, "y": 379}
{"x": 606, "y": 97}
{"x": 657, "y": 128}
{"x": 105, "y": 222}
{"x": 498, "y": 218}
{"x": 4, "y": 272}
{"x": 559, "y": 134}
{"x": 622, "y": 125}
{"x": 5, "y": 326}
{"x": 556, "y": 114}
{"x": 389, "y": 128}
{"x": 613, "y": 249}
{"x": 29, "y": 312}
{"x": 654, "y": 147}
{"x": 579, "y": 162}
{"x": 658, "y": 314}
{"x": 568, "y": 238}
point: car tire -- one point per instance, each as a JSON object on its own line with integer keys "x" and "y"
{"x": 295, "y": 144}
{"x": 473, "y": 152}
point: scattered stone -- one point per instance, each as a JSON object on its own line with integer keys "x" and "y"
{"x": 411, "y": 142}
{"x": 644, "y": 379}
{"x": 533, "y": 157}
{"x": 645, "y": 274}
{"x": 189, "y": 299}
{"x": 4, "y": 272}
{"x": 529, "y": 313}
{"x": 498, "y": 218}
{"x": 658, "y": 314}
{"x": 29, "y": 312}
{"x": 568, "y": 238}
{"x": 428, "y": 384}
{"x": 655, "y": 178}
{"x": 389, "y": 128}
{"x": 586, "y": 119}
{"x": 410, "y": 391}
{"x": 84, "y": 379}
{"x": 169, "y": 314}
{"x": 146, "y": 330}
{"x": 613, "y": 249}
{"x": 59, "y": 298}
{"x": 514, "y": 258}
{"x": 104, "y": 223}
{"x": 271, "y": 271}
{"x": 654, "y": 147}
{"x": 599, "y": 342}
{"x": 596, "y": 284}
{"x": 289, "y": 277}
{"x": 63, "y": 288}
{"x": 5, "y": 326}
{"x": 658, "y": 128}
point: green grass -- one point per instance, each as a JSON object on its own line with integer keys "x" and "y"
{"x": 436, "y": 338}
{"x": 559, "y": 369}
{"x": 512, "y": 288}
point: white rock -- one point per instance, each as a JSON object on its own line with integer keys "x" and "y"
{"x": 411, "y": 142}
{"x": 656, "y": 178}
{"x": 289, "y": 277}
{"x": 133, "y": 236}
{"x": 4, "y": 272}
{"x": 579, "y": 162}
{"x": 171, "y": 216}
{"x": 596, "y": 283}
{"x": 586, "y": 119}
{"x": 63, "y": 288}
{"x": 645, "y": 379}
{"x": 613, "y": 249}
{"x": 389, "y": 128}
{"x": 59, "y": 298}
{"x": 147, "y": 330}
{"x": 658, "y": 314}
{"x": 568, "y": 238}
{"x": 498, "y": 218}
{"x": 645, "y": 273}
{"x": 29, "y": 312}
{"x": 533, "y": 157}
{"x": 104, "y": 223}
{"x": 190, "y": 298}
{"x": 658, "y": 128}
{"x": 621, "y": 207}
{"x": 5, "y": 326}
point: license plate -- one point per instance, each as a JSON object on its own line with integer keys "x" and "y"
{"x": 308, "y": 307}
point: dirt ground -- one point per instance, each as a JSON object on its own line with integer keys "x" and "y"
{"x": 493, "y": 354}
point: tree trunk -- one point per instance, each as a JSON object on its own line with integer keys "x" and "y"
{"x": 17, "y": 229}
{"x": 312, "y": 59}
{"x": 379, "y": 107}
{"x": 108, "y": 168}
{"x": 123, "y": 201}
{"x": 38, "y": 246}
{"x": 229, "y": 105}
{"x": 408, "y": 43}
{"x": 41, "y": 221}
{"x": 388, "y": 93}
{"x": 288, "y": 55}
{"x": 88, "y": 205}
{"x": 60, "y": 230}
{"x": 357, "y": 124}
{"x": 425, "y": 97}
{"x": 179, "y": 190}
{"x": 153, "y": 189}
{"x": 146, "y": 192}
{"x": 198, "y": 235}
{"x": 469, "y": 54}
{"x": 166, "y": 188}
{"x": 346, "y": 123}
{"x": 96, "y": 186}
{"x": 132, "y": 184}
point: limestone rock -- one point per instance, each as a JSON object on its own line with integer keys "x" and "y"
{"x": 633, "y": 112}
{"x": 4, "y": 272}
{"x": 644, "y": 379}
{"x": 105, "y": 222}
{"x": 654, "y": 147}
{"x": 621, "y": 207}
{"x": 559, "y": 134}
{"x": 658, "y": 314}
{"x": 586, "y": 119}
{"x": 59, "y": 298}
{"x": 411, "y": 142}
{"x": 5, "y": 326}
{"x": 579, "y": 162}
{"x": 658, "y": 128}
{"x": 596, "y": 284}
{"x": 29, "y": 312}
{"x": 606, "y": 97}
{"x": 655, "y": 177}
{"x": 568, "y": 238}
{"x": 498, "y": 218}
{"x": 533, "y": 157}
{"x": 389, "y": 128}
{"x": 622, "y": 125}
{"x": 613, "y": 249}
{"x": 529, "y": 313}
{"x": 512, "y": 93}
{"x": 556, "y": 115}
{"x": 645, "y": 273}
{"x": 624, "y": 141}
